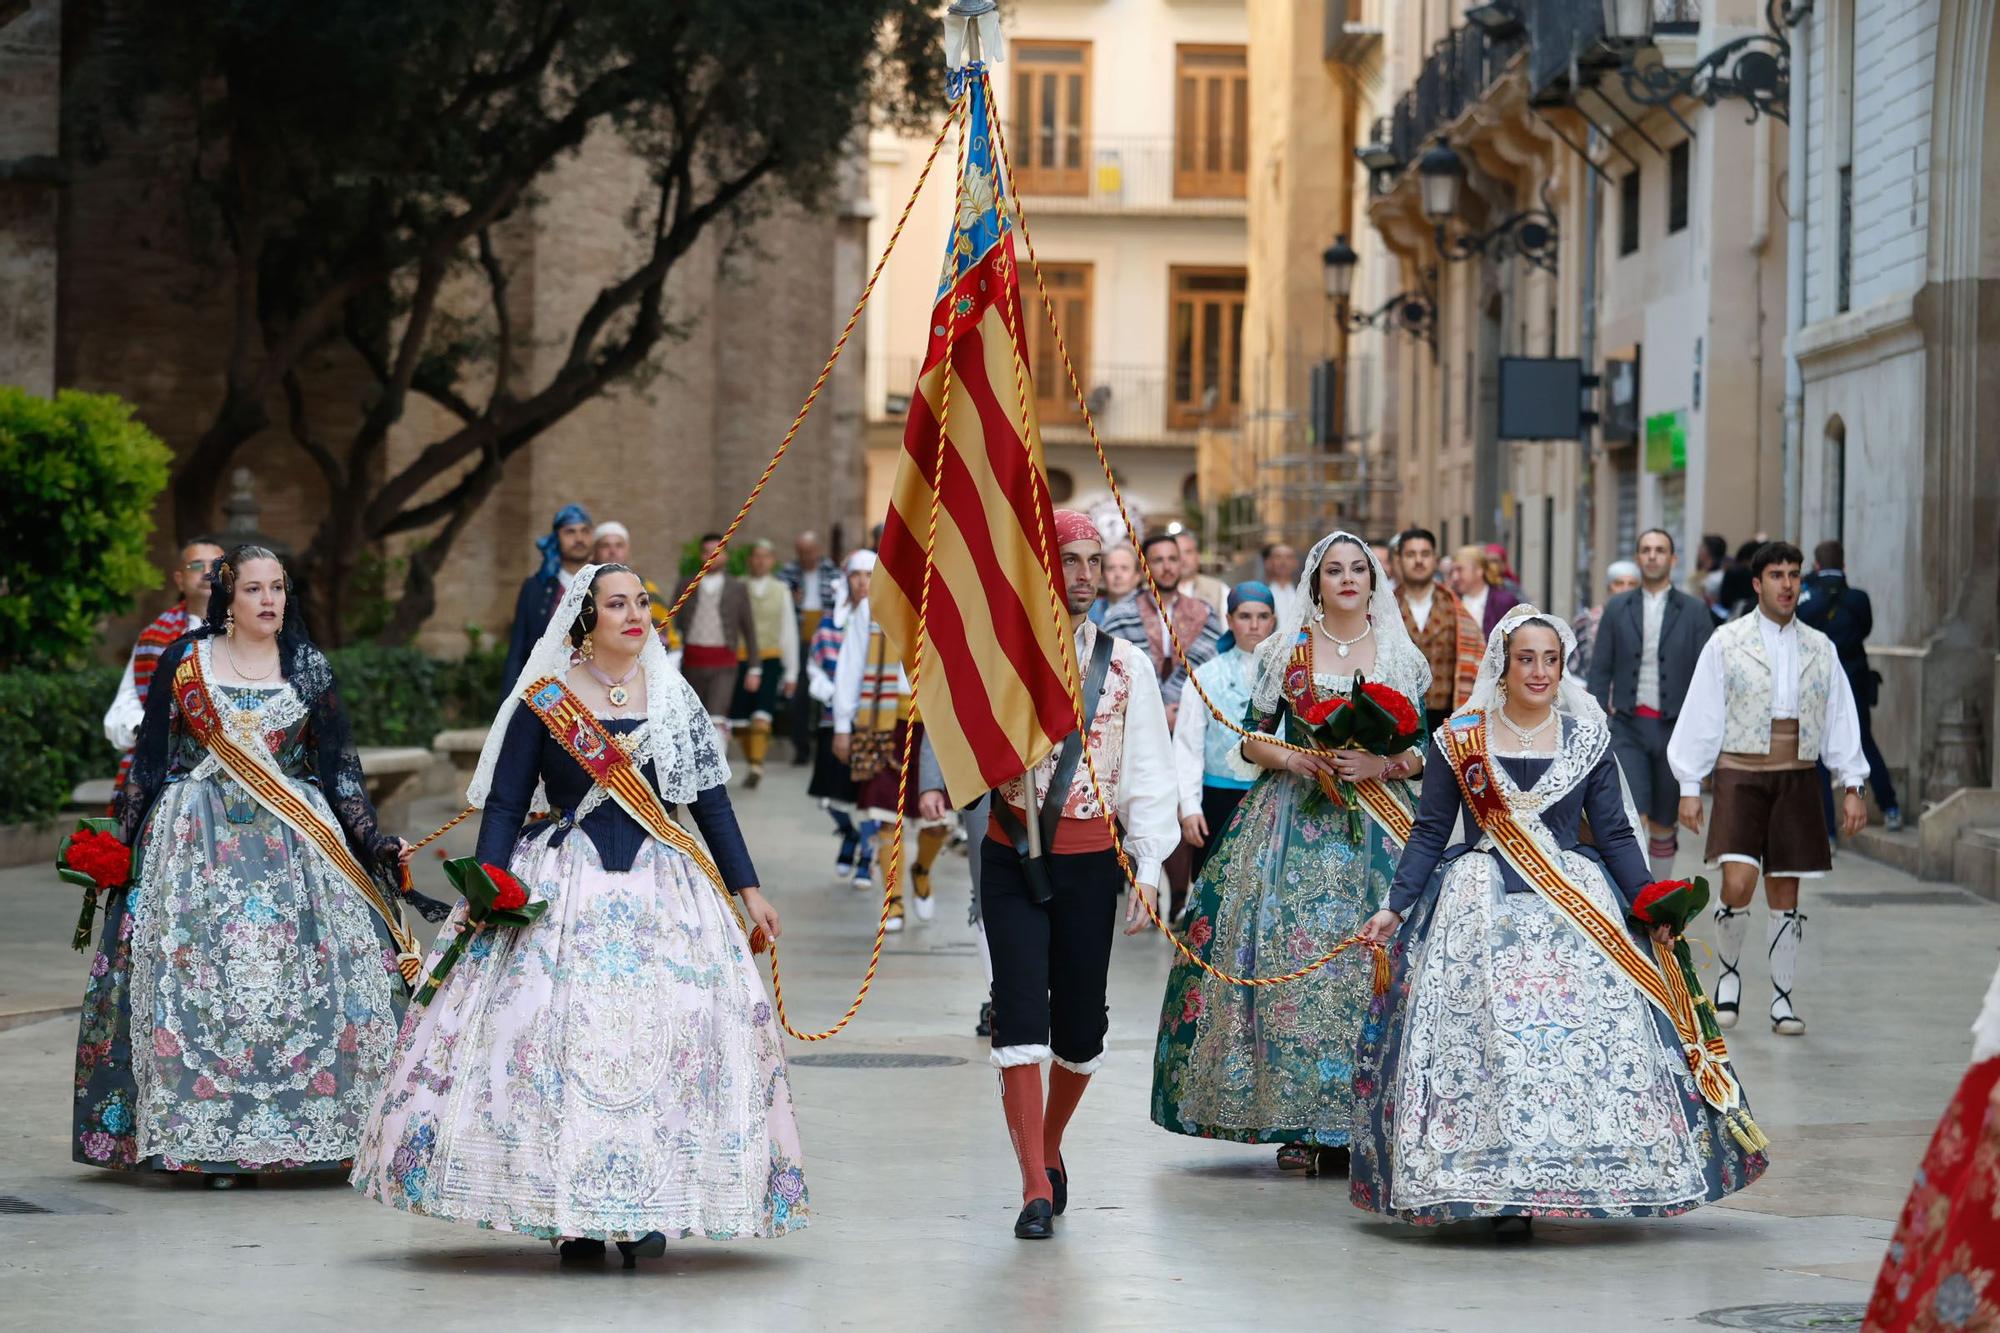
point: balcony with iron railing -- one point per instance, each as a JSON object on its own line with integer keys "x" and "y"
{"x": 1563, "y": 40}
{"x": 1200, "y": 176}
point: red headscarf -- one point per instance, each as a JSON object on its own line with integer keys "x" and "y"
{"x": 1072, "y": 526}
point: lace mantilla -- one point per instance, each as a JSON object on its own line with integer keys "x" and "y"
{"x": 1399, "y": 663}
{"x": 680, "y": 742}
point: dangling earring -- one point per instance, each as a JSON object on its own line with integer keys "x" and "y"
{"x": 229, "y": 623}
{"x": 589, "y": 648}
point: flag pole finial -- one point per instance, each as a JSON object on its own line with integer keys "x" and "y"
{"x": 971, "y": 34}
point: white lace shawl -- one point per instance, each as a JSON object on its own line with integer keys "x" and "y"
{"x": 677, "y": 737}
{"x": 1399, "y": 663}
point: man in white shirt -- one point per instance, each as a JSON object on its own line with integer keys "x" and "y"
{"x": 1645, "y": 650}
{"x": 1767, "y": 700}
{"x": 1281, "y": 576}
{"x": 1049, "y": 889}
{"x": 192, "y": 575}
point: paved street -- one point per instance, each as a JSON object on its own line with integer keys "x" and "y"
{"x": 914, "y": 1187}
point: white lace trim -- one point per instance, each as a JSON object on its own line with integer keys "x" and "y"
{"x": 681, "y": 743}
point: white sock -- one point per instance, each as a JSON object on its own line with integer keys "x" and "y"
{"x": 1786, "y": 934}
{"x": 985, "y": 955}
{"x": 1731, "y": 925}
{"x": 1660, "y": 849}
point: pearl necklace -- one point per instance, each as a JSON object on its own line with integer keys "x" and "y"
{"x": 614, "y": 690}
{"x": 1340, "y": 645}
{"x": 1526, "y": 735}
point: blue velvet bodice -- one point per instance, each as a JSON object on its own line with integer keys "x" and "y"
{"x": 530, "y": 755}
{"x": 1597, "y": 796}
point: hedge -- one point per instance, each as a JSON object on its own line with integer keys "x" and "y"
{"x": 52, "y": 723}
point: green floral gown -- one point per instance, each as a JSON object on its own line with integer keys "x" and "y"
{"x": 1289, "y": 879}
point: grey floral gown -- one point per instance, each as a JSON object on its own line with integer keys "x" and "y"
{"x": 263, "y": 985}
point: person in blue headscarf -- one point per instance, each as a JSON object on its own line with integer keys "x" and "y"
{"x": 564, "y": 550}
{"x": 1213, "y": 775}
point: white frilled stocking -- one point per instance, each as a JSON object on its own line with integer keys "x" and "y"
{"x": 1731, "y": 925}
{"x": 1787, "y": 934}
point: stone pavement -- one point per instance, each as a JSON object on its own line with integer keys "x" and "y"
{"x": 914, "y": 1187}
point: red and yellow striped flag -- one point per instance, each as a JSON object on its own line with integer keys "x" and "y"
{"x": 994, "y": 690}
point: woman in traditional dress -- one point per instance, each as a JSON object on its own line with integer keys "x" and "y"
{"x": 613, "y": 1071}
{"x": 1524, "y": 1062}
{"x": 256, "y": 943}
{"x": 1940, "y": 1269}
{"x": 1294, "y": 874}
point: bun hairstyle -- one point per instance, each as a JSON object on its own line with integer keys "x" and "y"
{"x": 226, "y": 572}
{"x": 586, "y": 615}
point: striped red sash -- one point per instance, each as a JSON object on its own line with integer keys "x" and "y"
{"x": 1659, "y": 980}
{"x": 578, "y": 731}
{"x": 253, "y": 770}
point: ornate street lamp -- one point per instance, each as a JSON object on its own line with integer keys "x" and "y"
{"x": 1409, "y": 311}
{"x": 1531, "y": 233}
{"x": 1756, "y": 69}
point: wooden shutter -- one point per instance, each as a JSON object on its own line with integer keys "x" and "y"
{"x": 1211, "y": 122}
{"x": 1050, "y": 144}
{"x": 1069, "y": 291}
{"x": 1205, "y": 347}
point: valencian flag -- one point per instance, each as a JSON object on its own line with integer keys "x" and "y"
{"x": 993, "y": 692}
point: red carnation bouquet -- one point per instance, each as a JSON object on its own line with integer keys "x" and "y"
{"x": 1371, "y": 717}
{"x": 94, "y": 859}
{"x": 493, "y": 897}
{"x": 1676, "y": 902}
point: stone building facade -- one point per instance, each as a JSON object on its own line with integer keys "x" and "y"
{"x": 100, "y": 290}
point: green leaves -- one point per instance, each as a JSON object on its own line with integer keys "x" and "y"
{"x": 75, "y": 515}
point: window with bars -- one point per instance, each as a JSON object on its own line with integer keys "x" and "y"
{"x": 1205, "y": 346}
{"x": 1628, "y": 213}
{"x": 1069, "y": 291}
{"x": 1679, "y": 166}
{"x": 1211, "y": 122}
{"x": 1051, "y": 134}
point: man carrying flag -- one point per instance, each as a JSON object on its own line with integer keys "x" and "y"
{"x": 965, "y": 591}
{"x": 1049, "y": 897}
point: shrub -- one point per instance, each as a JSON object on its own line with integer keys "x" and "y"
{"x": 391, "y": 694}
{"x": 52, "y": 737}
{"x": 75, "y": 515}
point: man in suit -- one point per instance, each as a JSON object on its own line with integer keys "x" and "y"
{"x": 1647, "y": 644}
{"x": 1844, "y": 614}
{"x": 565, "y": 550}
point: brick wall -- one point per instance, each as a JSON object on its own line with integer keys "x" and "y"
{"x": 669, "y": 453}
{"x": 29, "y": 73}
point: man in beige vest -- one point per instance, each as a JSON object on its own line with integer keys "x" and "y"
{"x": 765, "y": 682}
{"x": 1767, "y": 700}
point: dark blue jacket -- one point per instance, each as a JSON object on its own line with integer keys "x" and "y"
{"x": 533, "y": 606}
{"x": 1840, "y": 612}
{"x": 529, "y": 755}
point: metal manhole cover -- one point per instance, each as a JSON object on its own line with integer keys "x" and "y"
{"x": 14, "y": 1203}
{"x": 1919, "y": 898}
{"x": 1786, "y": 1318}
{"x": 876, "y": 1060}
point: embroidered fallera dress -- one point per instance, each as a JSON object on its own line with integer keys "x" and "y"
{"x": 613, "y": 1069}
{"x": 1287, "y": 881}
{"x": 264, "y": 986}
{"x": 1511, "y": 1069}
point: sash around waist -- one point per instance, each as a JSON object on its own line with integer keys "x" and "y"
{"x": 1784, "y": 752}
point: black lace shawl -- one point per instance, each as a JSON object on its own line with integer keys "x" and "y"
{"x": 336, "y": 765}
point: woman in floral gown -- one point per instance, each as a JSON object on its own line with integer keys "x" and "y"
{"x": 1942, "y": 1271}
{"x": 1294, "y": 875}
{"x": 1516, "y": 1068}
{"x": 263, "y": 974}
{"x": 613, "y": 1072}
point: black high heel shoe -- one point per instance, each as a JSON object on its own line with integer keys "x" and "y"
{"x": 1513, "y": 1228}
{"x": 649, "y": 1246}
{"x": 1328, "y": 1162}
{"x": 1036, "y": 1221}
{"x": 582, "y": 1250}
{"x": 1059, "y": 1184}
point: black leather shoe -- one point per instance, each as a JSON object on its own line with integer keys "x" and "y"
{"x": 581, "y": 1251}
{"x": 985, "y": 1027}
{"x": 1059, "y": 1183}
{"x": 1036, "y": 1222}
{"x": 649, "y": 1246}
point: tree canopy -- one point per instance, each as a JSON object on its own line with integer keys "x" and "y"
{"x": 355, "y": 157}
